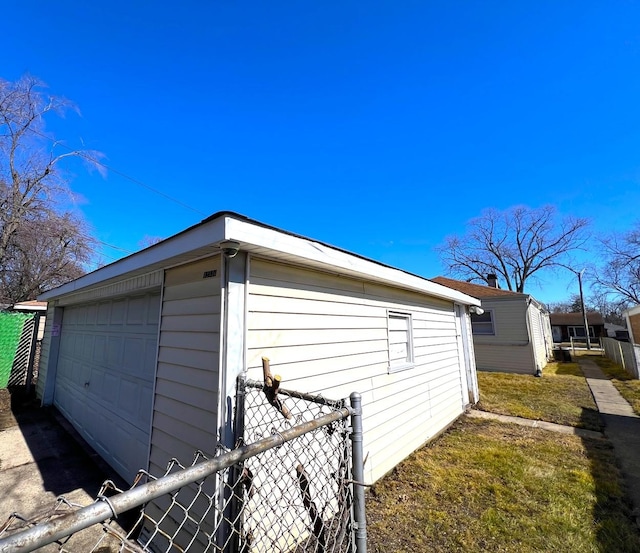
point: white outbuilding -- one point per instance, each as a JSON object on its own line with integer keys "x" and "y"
{"x": 513, "y": 332}
{"x": 142, "y": 355}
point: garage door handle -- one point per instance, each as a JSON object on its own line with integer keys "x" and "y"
{"x": 86, "y": 384}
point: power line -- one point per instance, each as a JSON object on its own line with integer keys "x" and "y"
{"x": 125, "y": 176}
{"x": 136, "y": 181}
{"x": 128, "y": 252}
{"x": 115, "y": 171}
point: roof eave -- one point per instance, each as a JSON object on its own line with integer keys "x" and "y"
{"x": 258, "y": 239}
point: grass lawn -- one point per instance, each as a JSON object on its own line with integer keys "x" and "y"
{"x": 561, "y": 396}
{"x": 489, "y": 486}
{"x": 628, "y": 387}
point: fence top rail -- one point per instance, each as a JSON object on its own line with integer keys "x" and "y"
{"x": 336, "y": 404}
{"x": 104, "y": 509}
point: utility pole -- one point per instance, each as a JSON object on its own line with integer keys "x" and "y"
{"x": 584, "y": 308}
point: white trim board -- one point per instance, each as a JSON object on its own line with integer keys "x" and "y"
{"x": 256, "y": 238}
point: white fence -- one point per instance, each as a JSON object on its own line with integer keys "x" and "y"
{"x": 624, "y": 354}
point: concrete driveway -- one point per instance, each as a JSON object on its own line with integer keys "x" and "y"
{"x": 39, "y": 461}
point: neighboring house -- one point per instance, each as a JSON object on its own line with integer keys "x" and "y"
{"x": 632, "y": 317}
{"x": 21, "y": 330}
{"x": 513, "y": 333}
{"x": 36, "y": 307}
{"x": 616, "y": 331}
{"x": 142, "y": 355}
{"x": 565, "y": 326}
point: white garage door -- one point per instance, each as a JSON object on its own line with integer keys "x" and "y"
{"x": 104, "y": 381}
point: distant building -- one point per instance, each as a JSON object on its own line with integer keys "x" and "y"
{"x": 633, "y": 324}
{"x": 565, "y": 326}
{"x": 512, "y": 334}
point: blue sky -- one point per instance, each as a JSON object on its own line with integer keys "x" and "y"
{"x": 379, "y": 127}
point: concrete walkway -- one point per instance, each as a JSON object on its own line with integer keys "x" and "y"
{"x": 622, "y": 427}
{"x": 39, "y": 461}
{"x": 530, "y": 423}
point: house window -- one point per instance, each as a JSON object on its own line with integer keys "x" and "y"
{"x": 578, "y": 332}
{"x": 482, "y": 324}
{"x": 400, "y": 341}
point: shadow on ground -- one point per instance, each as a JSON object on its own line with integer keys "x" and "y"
{"x": 615, "y": 533}
{"x": 42, "y": 457}
{"x": 62, "y": 463}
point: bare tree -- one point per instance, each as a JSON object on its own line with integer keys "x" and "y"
{"x": 43, "y": 254}
{"x": 41, "y": 244}
{"x": 572, "y": 305}
{"x": 514, "y": 244}
{"x": 619, "y": 275}
{"x": 611, "y": 308}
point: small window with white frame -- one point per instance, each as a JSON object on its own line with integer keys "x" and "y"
{"x": 400, "y": 341}
{"x": 483, "y": 324}
{"x": 578, "y": 332}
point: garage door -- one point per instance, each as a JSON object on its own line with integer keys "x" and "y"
{"x": 104, "y": 381}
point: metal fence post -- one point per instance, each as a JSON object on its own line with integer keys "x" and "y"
{"x": 357, "y": 458}
{"x": 229, "y": 534}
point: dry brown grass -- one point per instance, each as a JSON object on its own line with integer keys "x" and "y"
{"x": 561, "y": 396}
{"x": 488, "y": 486}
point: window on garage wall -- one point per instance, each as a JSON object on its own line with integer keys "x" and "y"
{"x": 400, "y": 341}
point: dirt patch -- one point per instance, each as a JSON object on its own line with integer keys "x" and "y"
{"x": 5, "y": 400}
{"x": 7, "y": 419}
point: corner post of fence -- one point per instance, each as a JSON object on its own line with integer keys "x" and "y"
{"x": 357, "y": 459}
{"x": 236, "y": 503}
{"x": 621, "y": 356}
{"x": 32, "y": 352}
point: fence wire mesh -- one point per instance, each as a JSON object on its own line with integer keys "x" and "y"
{"x": 286, "y": 486}
{"x": 299, "y": 497}
{"x": 16, "y": 330}
{"x": 25, "y": 354}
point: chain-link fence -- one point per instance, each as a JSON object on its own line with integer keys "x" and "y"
{"x": 299, "y": 494}
{"x": 293, "y": 483}
{"x": 18, "y": 333}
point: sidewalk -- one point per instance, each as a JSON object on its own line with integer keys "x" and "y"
{"x": 530, "y": 423}
{"x": 622, "y": 427}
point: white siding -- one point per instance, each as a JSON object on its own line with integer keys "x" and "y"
{"x": 509, "y": 321}
{"x": 328, "y": 334}
{"x": 505, "y": 358}
{"x": 538, "y": 322}
{"x": 186, "y": 394}
{"x": 509, "y": 349}
{"x": 44, "y": 352}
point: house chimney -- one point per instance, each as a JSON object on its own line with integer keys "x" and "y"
{"x": 492, "y": 280}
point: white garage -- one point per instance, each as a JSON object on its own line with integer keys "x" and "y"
{"x": 142, "y": 355}
{"x": 105, "y": 376}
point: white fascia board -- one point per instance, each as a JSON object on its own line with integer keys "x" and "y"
{"x": 318, "y": 254}
{"x": 18, "y": 307}
{"x": 199, "y": 236}
{"x": 254, "y": 236}
{"x": 633, "y": 311}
